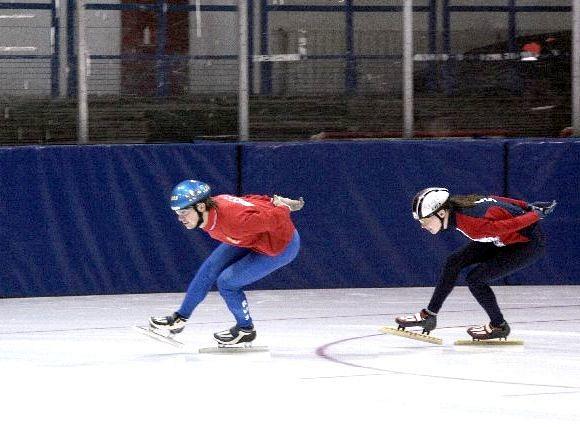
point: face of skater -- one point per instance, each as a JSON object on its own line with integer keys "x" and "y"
{"x": 436, "y": 222}
{"x": 190, "y": 217}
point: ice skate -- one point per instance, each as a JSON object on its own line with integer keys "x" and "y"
{"x": 158, "y": 335}
{"x": 234, "y": 340}
{"x": 488, "y": 334}
{"x": 173, "y": 324}
{"x": 164, "y": 328}
{"x": 236, "y": 335}
{"x": 423, "y": 319}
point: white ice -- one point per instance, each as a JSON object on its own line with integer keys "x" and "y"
{"x": 77, "y": 361}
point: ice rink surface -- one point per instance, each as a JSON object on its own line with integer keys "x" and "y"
{"x": 78, "y": 361}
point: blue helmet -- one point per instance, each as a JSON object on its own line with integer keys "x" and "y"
{"x": 188, "y": 193}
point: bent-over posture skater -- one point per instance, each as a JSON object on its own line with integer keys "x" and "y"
{"x": 505, "y": 236}
{"x": 258, "y": 237}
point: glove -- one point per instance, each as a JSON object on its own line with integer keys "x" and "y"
{"x": 293, "y": 205}
{"x": 543, "y": 209}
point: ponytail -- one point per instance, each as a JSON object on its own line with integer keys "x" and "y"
{"x": 462, "y": 201}
{"x": 209, "y": 203}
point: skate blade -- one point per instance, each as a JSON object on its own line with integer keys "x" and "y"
{"x": 158, "y": 336}
{"x": 413, "y": 335}
{"x": 489, "y": 342}
{"x": 225, "y": 349}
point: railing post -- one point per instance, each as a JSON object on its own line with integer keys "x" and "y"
{"x": 576, "y": 68}
{"x": 350, "y": 69}
{"x": 243, "y": 91}
{"x": 408, "y": 69}
{"x": 82, "y": 92}
{"x": 160, "y": 53}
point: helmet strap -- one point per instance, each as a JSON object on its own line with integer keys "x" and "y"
{"x": 442, "y": 220}
{"x": 199, "y": 217}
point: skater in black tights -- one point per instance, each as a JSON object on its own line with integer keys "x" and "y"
{"x": 505, "y": 237}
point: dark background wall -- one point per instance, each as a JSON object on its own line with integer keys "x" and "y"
{"x": 95, "y": 220}
{"x": 541, "y": 170}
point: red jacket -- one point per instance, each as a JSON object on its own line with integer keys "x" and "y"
{"x": 499, "y": 220}
{"x": 251, "y": 222}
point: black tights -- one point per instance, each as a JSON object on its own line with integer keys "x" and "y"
{"x": 492, "y": 263}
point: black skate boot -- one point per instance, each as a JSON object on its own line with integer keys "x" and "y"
{"x": 489, "y": 332}
{"x": 173, "y": 324}
{"x": 235, "y": 335}
{"x": 424, "y": 319}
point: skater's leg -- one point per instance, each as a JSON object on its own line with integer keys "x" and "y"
{"x": 247, "y": 270}
{"x": 486, "y": 298}
{"x": 472, "y": 253}
{"x": 222, "y": 257}
{"x": 506, "y": 260}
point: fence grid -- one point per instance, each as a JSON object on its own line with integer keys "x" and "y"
{"x": 178, "y": 59}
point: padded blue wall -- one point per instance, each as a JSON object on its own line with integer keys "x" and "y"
{"x": 95, "y": 219}
{"x": 546, "y": 170}
{"x": 356, "y": 226}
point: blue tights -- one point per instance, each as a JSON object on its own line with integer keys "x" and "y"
{"x": 232, "y": 268}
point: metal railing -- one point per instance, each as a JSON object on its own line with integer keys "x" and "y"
{"x": 421, "y": 73}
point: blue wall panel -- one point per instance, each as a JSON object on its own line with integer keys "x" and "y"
{"x": 96, "y": 219}
{"x": 356, "y": 226}
{"x": 544, "y": 171}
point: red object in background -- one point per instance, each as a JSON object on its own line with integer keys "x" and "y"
{"x": 139, "y": 36}
{"x": 533, "y": 47}
{"x": 462, "y": 133}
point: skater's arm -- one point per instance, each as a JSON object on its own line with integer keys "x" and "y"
{"x": 520, "y": 203}
{"x": 487, "y": 227}
{"x": 259, "y": 197}
{"x": 260, "y": 220}
{"x": 276, "y": 200}
{"x": 293, "y": 205}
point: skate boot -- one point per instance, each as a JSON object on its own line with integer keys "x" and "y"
{"x": 489, "y": 332}
{"x": 235, "y": 335}
{"x": 173, "y": 324}
{"x": 422, "y": 319}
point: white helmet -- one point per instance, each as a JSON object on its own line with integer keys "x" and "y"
{"x": 428, "y": 201}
